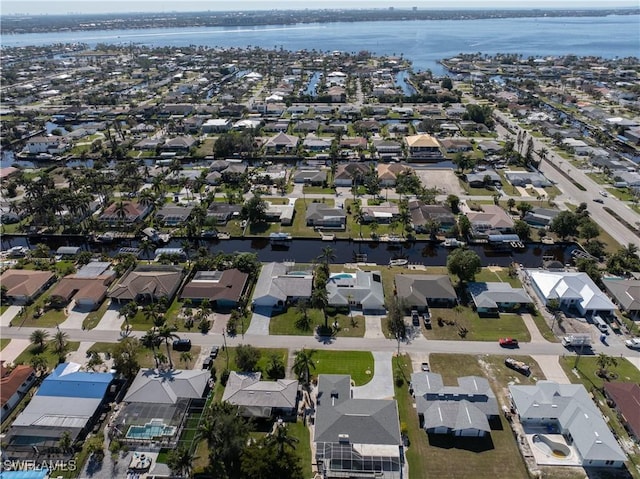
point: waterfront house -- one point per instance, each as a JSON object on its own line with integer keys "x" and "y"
{"x": 489, "y": 299}
{"x": 320, "y": 215}
{"x": 281, "y": 143}
{"x": 278, "y": 285}
{"x": 87, "y": 288}
{"x": 148, "y": 283}
{"x": 310, "y": 177}
{"x": 173, "y": 215}
{"x": 362, "y": 290}
{"x": 223, "y": 289}
{"x": 423, "y": 216}
{"x": 423, "y": 147}
{"x": 492, "y": 219}
{"x": 420, "y": 291}
{"x": 23, "y": 285}
{"x": 349, "y": 174}
{"x": 124, "y": 212}
{"x": 262, "y": 399}
{"x": 540, "y": 216}
{"x": 388, "y": 173}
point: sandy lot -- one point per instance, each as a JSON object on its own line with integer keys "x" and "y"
{"x": 445, "y": 180}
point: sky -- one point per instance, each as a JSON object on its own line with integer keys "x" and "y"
{"x": 10, "y": 7}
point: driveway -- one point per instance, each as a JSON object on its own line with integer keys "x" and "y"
{"x": 75, "y": 318}
{"x": 12, "y": 350}
{"x": 111, "y": 320}
{"x": 373, "y": 326}
{"x": 551, "y": 368}
{"x": 381, "y": 385}
{"x": 536, "y": 336}
{"x": 8, "y": 315}
{"x": 260, "y": 322}
{"x": 80, "y": 355}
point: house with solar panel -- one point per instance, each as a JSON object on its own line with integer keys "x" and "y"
{"x": 355, "y": 437}
{"x": 68, "y": 400}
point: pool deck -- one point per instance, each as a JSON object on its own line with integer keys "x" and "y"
{"x": 543, "y": 459}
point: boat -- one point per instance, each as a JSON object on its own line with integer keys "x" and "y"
{"x": 107, "y": 237}
{"x": 395, "y": 239}
{"x": 17, "y": 252}
{"x": 452, "y": 243}
{"x": 279, "y": 238}
{"x": 155, "y": 236}
{"x": 399, "y": 262}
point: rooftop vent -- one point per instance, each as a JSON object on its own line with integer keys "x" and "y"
{"x": 343, "y": 438}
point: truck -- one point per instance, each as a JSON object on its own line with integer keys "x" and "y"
{"x": 576, "y": 340}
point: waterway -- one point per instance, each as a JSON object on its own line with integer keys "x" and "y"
{"x": 308, "y": 250}
{"x": 422, "y": 42}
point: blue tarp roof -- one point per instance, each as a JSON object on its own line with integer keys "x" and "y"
{"x": 75, "y": 384}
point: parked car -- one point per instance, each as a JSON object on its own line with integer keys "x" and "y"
{"x": 182, "y": 345}
{"x": 426, "y": 319}
{"x": 214, "y": 352}
{"x": 508, "y": 342}
{"x": 633, "y": 343}
{"x": 425, "y": 367}
{"x": 603, "y": 193}
{"x": 598, "y": 200}
{"x": 415, "y": 319}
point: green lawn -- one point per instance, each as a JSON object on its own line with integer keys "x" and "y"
{"x": 4, "y": 342}
{"x": 586, "y": 375}
{"x": 303, "y": 447}
{"x": 3, "y": 308}
{"x": 497, "y": 274}
{"x": 229, "y": 354}
{"x": 285, "y": 323}
{"x": 544, "y": 328}
{"x": 51, "y": 357}
{"x": 479, "y": 329}
{"x": 433, "y": 456}
{"x": 145, "y": 355}
{"x": 49, "y": 319}
{"x": 359, "y": 364}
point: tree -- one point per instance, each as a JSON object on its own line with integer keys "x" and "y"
{"x": 446, "y": 83}
{"x": 522, "y": 229}
{"x": 60, "y": 343}
{"x": 180, "y": 461}
{"x": 247, "y": 357}
{"x": 303, "y": 322}
{"x": 262, "y": 460}
{"x": 589, "y": 230}
{"x": 167, "y": 334}
{"x": 590, "y": 266}
{"x": 125, "y": 357}
{"x": 464, "y": 225}
{"x": 303, "y": 364}
{"x": 64, "y": 443}
{"x": 186, "y": 357}
{"x": 565, "y": 224}
{"x": 275, "y": 367}
{"x": 464, "y": 263}
{"x": 605, "y": 361}
{"x": 511, "y": 203}
{"x": 151, "y": 340}
{"x": 327, "y": 256}
{"x": 95, "y": 361}
{"x": 282, "y": 439}
{"x": 524, "y": 207}
{"x": 38, "y": 338}
{"x": 454, "y": 203}
{"x": 395, "y": 320}
{"x": 39, "y": 363}
{"x": 254, "y": 210}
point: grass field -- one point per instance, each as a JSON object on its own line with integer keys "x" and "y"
{"x": 4, "y": 342}
{"x": 287, "y": 323}
{"x": 52, "y": 358}
{"x": 359, "y": 364}
{"x": 478, "y": 329}
{"x": 145, "y": 355}
{"x": 448, "y": 457}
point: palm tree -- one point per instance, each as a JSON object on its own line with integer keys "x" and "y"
{"x": 150, "y": 340}
{"x": 166, "y": 334}
{"x": 373, "y": 227}
{"x": 180, "y": 461}
{"x": 186, "y": 357}
{"x": 327, "y": 256}
{"x": 60, "y": 343}
{"x": 604, "y": 361}
{"x": 358, "y": 217}
{"x": 303, "y": 364}
{"x": 282, "y": 439}
{"x": 631, "y": 250}
{"x": 146, "y": 247}
{"x": 39, "y": 363}
{"x": 38, "y": 338}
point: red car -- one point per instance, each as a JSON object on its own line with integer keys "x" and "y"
{"x": 508, "y": 342}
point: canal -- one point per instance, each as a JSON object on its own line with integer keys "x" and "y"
{"x": 308, "y": 250}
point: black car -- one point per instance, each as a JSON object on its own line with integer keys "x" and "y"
{"x": 214, "y": 352}
{"x": 182, "y": 345}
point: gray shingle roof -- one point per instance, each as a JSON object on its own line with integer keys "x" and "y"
{"x": 166, "y": 387}
{"x": 246, "y": 389}
{"x": 415, "y": 289}
{"x": 490, "y": 295}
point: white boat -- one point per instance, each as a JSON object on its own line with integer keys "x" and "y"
{"x": 107, "y": 237}
{"x": 280, "y": 238}
{"x": 399, "y": 262}
{"x": 17, "y": 252}
{"x": 453, "y": 243}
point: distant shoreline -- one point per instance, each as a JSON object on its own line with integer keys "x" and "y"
{"x": 29, "y": 24}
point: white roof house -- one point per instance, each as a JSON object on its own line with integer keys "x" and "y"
{"x": 572, "y": 289}
{"x": 277, "y": 284}
{"x": 362, "y": 289}
{"x": 569, "y": 408}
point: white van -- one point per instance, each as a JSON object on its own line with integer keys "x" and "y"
{"x": 601, "y": 324}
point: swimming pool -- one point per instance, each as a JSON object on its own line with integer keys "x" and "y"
{"x": 151, "y": 430}
{"x": 342, "y": 276}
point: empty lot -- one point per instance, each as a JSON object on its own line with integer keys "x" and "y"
{"x": 445, "y": 180}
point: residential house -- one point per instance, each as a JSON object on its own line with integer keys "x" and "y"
{"x": 310, "y": 177}
{"x": 179, "y": 144}
{"x": 148, "y": 283}
{"x": 492, "y": 219}
{"x": 354, "y": 143}
{"x": 483, "y": 178}
{"x": 314, "y": 143}
{"x": 424, "y": 216}
{"x": 173, "y": 215}
{"x": 87, "y": 288}
{"x": 456, "y": 145}
{"x": 355, "y": 437}
{"x": 625, "y": 293}
{"x": 154, "y": 410}
{"x": 320, "y": 215}
{"x": 421, "y": 291}
{"x": 46, "y": 144}
{"x": 626, "y": 401}
{"x": 387, "y": 150}
{"x": 68, "y": 400}
{"x": 307, "y": 126}
{"x": 492, "y": 298}
{"x": 337, "y": 94}
{"x": 489, "y": 147}
{"x": 223, "y": 289}
{"x": 384, "y": 213}
{"x": 540, "y": 216}
{"x": 348, "y": 174}
{"x": 423, "y": 147}
{"x": 24, "y": 285}
{"x": 278, "y": 285}
{"x": 568, "y": 410}
{"x": 262, "y": 399}
{"x": 523, "y": 178}
{"x": 388, "y": 173}
{"x": 223, "y": 212}
{"x": 281, "y": 143}
{"x": 280, "y": 213}
{"x": 216, "y": 125}
{"x": 15, "y": 383}
{"x": 574, "y": 290}
{"x": 149, "y": 144}
{"x": 125, "y": 212}
{"x": 464, "y": 410}
{"x": 362, "y": 289}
